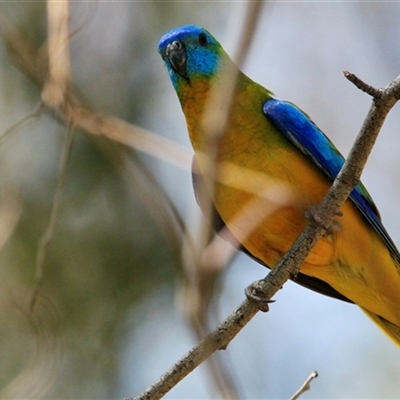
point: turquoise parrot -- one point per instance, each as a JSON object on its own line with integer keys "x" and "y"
{"x": 268, "y": 164}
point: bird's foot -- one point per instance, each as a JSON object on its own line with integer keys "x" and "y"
{"x": 253, "y": 293}
{"x": 313, "y": 214}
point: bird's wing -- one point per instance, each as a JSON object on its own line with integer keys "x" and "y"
{"x": 309, "y": 139}
{"x": 204, "y": 201}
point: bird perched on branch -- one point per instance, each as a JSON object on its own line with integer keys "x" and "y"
{"x": 263, "y": 164}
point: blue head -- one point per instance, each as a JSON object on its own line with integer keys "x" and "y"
{"x": 189, "y": 52}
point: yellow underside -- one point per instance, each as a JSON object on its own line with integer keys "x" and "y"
{"x": 265, "y": 186}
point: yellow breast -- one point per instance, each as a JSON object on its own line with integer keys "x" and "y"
{"x": 262, "y": 185}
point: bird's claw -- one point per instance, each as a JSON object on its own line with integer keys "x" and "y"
{"x": 253, "y": 293}
{"x": 313, "y": 214}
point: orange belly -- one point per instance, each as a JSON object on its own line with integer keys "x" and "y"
{"x": 264, "y": 186}
{"x": 263, "y": 200}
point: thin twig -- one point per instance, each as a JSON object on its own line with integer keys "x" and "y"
{"x": 373, "y": 92}
{"x": 54, "y": 95}
{"x": 305, "y": 386}
{"x": 48, "y": 234}
{"x": 22, "y": 122}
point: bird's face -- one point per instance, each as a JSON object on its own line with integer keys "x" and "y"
{"x": 189, "y": 52}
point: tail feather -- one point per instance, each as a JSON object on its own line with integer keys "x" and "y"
{"x": 392, "y": 330}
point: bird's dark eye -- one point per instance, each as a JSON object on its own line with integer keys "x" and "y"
{"x": 202, "y": 39}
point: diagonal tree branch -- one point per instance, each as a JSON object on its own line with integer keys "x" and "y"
{"x": 293, "y": 259}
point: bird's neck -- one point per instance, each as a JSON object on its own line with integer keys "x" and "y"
{"x": 206, "y": 103}
{"x": 209, "y": 104}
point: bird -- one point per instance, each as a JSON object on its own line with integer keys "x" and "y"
{"x": 261, "y": 164}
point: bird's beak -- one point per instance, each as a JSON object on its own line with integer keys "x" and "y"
{"x": 176, "y": 54}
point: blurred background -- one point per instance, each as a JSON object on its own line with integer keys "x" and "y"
{"x": 110, "y": 316}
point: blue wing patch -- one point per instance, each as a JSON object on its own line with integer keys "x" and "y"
{"x": 309, "y": 139}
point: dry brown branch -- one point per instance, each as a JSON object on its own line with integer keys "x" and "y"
{"x": 291, "y": 262}
{"x": 127, "y": 134}
{"x": 376, "y": 93}
{"x": 59, "y": 79}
